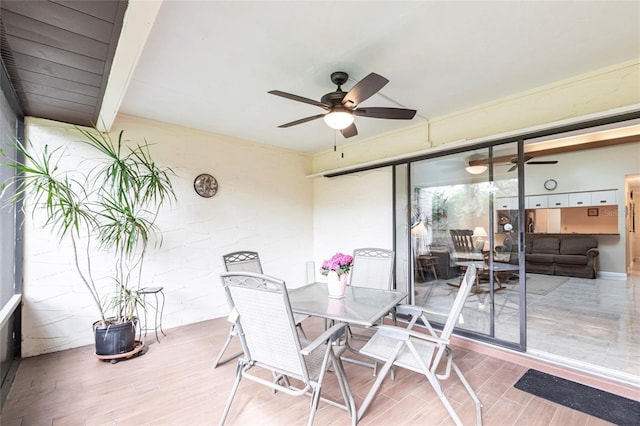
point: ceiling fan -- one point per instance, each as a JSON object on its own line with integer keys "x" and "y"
{"x": 342, "y": 106}
{"x": 527, "y": 159}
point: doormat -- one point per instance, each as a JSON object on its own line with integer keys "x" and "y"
{"x": 595, "y": 402}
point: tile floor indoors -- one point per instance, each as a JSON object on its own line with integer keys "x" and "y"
{"x": 592, "y": 324}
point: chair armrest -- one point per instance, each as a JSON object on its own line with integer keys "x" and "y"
{"x": 593, "y": 252}
{"x": 400, "y": 333}
{"x": 323, "y": 338}
{"x": 418, "y": 310}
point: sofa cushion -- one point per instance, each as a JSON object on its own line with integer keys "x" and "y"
{"x": 528, "y": 246}
{"x": 540, "y": 257}
{"x": 572, "y": 259}
{"x": 577, "y": 245}
{"x": 546, "y": 245}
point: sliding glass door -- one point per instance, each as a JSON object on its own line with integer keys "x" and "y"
{"x": 464, "y": 211}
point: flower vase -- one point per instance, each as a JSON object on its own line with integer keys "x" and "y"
{"x": 336, "y": 284}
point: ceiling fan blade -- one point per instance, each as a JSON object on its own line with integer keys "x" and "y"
{"x": 302, "y": 120}
{"x": 514, "y": 160}
{"x": 512, "y": 168}
{"x": 391, "y": 113}
{"x": 298, "y": 98}
{"x": 543, "y": 162}
{"x": 349, "y": 131}
{"x": 364, "y": 89}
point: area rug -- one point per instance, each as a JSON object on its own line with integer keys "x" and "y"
{"x": 539, "y": 284}
{"x": 595, "y": 402}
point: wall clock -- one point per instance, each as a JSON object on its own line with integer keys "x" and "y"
{"x": 205, "y": 185}
{"x": 550, "y": 184}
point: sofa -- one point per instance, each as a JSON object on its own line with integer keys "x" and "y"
{"x": 558, "y": 254}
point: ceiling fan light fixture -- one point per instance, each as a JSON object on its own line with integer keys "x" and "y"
{"x": 476, "y": 170}
{"x": 339, "y": 118}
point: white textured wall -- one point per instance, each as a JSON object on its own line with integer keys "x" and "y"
{"x": 264, "y": 203}
{"x": 352, "y": 211}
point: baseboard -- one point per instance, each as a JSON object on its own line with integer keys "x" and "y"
{"x": 557, "y": 367}
{"x": 612, "y": 275}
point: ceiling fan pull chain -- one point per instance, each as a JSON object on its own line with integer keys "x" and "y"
{"x": 334, "y": 141}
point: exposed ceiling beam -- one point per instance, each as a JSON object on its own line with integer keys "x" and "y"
{"x": 138, "y": 21}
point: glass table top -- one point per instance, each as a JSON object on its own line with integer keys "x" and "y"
{"x": 360, "y": 305}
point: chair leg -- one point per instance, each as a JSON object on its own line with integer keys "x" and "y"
{"x": 471, "y": 392}
{"x": 219, "y": 359}
{"x": 299, "y": 326}
{"x": 233, "y": 392}
{"x": 385, "y": 369}
{"x": 346, "y": 391}
{"x": 315, "y": 398}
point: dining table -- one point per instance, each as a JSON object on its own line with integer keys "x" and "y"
{"x": 360, "y": 306}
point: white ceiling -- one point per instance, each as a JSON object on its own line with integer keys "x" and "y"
{"x": 209, "y": 64}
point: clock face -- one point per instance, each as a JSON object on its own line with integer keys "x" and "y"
{"x": 205, "y": 185}
{"x": 550, "y": 184}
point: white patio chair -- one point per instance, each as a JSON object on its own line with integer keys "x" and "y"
{"x": 266, "y": 328}
{"x": 419, "y": 352}
{"x": 245, "y": 261}
{"x": 372, "y": 268}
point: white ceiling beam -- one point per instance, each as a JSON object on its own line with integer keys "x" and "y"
{"x": 138, "y": 21}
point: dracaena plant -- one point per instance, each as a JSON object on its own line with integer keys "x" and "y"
{"x": 111, "y": 206}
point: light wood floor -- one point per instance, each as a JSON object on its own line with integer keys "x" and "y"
{"x": 174, "y": 384}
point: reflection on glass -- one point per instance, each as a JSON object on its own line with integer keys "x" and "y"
{"x": 460, "y": 219}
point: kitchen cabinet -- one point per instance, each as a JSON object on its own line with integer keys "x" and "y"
{"x": 558, "y": 200}
{"x": 580, "y": 199}
{"x": 537, "y": 201}
{"x": 604, "y": 198}
{"x": 506, "y": 203}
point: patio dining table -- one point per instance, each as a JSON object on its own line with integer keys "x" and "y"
{"x": 361, "y": 306}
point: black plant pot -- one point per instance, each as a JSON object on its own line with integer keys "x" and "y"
{"x": 114, "y": 339}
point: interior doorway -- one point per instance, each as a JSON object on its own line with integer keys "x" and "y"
{"x": 632, "y": 223}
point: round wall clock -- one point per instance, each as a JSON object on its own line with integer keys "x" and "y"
{"x": 205, "y": 185}
{"x": 550, "y": 184}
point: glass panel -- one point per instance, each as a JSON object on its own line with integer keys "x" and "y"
{"x": 401, "y": 213}
{"x": 454, "y": 225}
{"x": 507, "y": 227}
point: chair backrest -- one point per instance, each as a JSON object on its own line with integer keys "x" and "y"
{"x": 463, "y": 292}
{"x": 373, "y": 268}
{"x": 265, "y": 322}
{"x": 245, "y": 261}
{"x": 462, "y": 240}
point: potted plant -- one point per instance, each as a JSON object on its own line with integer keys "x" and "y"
{"x": 108, "y": 203}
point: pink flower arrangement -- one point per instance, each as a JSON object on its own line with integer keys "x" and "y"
{"x": 340, "y": 263}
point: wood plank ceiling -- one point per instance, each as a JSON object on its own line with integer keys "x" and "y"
{"x": 58, "y": 55}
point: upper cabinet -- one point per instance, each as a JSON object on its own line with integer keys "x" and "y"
{"x": 558, "y": 201}
{"x": 604, "y": 198}
{"x": 537, "y": 201}
{"x": 506, "y": 203}
{"x": 571, "y": 199}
